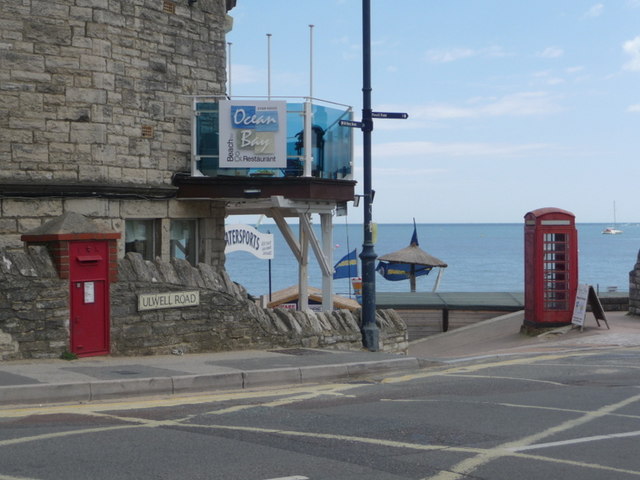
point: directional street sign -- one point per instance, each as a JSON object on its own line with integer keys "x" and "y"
{"x": 400, "y": 115}
{"x": 350, "y": 123}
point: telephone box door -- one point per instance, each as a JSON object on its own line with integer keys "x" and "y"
{"x": 89, "y": 285}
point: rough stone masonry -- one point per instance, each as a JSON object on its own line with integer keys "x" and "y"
{"x": 34, "y": 313}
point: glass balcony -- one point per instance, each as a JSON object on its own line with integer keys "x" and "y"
{"x": 331, "y": 155}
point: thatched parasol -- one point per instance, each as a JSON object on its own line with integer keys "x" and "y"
{"x": 414, "y": 256}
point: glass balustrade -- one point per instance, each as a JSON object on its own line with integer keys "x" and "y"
{"x": 331, "y": 144}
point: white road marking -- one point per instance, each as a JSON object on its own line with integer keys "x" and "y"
{"x": 560, "y": 443}
{"x": 466, "y": 467}
{"x": 294, "y": 477}
{"x": 6, "y": 477}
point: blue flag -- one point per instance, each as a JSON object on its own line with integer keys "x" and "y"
{"x": 347, "y": 267}
{"x": 414, "y": 237}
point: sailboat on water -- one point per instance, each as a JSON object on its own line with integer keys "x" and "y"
{"x": 613, "y": 230}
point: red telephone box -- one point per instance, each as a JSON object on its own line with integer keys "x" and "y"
{"x": 550, "y": 267}
{"x": 89, "y": 283}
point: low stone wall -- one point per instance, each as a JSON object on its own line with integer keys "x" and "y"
{"x": 34, "y": 306}
{"x": 34, "y": 313}
{"x": 226, "y": 318}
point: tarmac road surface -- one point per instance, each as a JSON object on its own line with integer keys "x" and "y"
{"x": 571, "y": 413}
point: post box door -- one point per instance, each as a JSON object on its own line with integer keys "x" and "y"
{"x": 89, "y": 298}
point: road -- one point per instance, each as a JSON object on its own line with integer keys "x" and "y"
{"x": 573, "y": 415}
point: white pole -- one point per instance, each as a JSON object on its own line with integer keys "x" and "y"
{"x": 311, "y": 61}
{"x": 269, "y": 66}
{"x": 308, "y": 115}
{"x": 307, "y": 139}
{"x": 229, "y": 68}
{"x": 438, "y": 278}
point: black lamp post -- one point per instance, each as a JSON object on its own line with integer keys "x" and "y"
{"x": 370, "y": 331}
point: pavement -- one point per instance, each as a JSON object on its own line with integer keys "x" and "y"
{"x": 103, "y": 378}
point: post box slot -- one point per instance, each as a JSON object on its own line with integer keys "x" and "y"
{"x": 88, "y": 258}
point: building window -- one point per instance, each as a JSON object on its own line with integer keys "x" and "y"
{"x": 184, "y": 234}
{"x": 141, "y": 236}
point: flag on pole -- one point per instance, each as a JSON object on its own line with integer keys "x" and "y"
{"x": 414, "y": 237}
{"x": 347, "y": 266}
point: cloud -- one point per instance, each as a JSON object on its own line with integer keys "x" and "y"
{"x": 246, "y": 74}
{"x": 402, "y": 172}
{"x": 551, "y": 52}
{"x": 634, "y": 108}
{"x": 446, "y": 55}
{"x": 594, "y": 11}
{"x": 547, "y": 78}
{"x": 632, "y": 48}
{"x": 421, "y": 149}
{"x": 517, "y": 104}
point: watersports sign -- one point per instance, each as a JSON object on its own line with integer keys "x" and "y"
{"x": 247, "y": 239}
{"x": 253, "y": 134}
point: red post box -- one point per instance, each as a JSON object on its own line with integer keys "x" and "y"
{"x": 89, "y": 282}
{"x": 550, "y": 267}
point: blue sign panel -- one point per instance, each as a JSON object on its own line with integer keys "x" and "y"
{"x": 399, "y": 115}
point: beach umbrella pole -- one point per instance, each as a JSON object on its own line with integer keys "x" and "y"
{"x": 412, "y": 278}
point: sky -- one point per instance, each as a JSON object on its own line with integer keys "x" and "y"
{"x": 512, "y": 105}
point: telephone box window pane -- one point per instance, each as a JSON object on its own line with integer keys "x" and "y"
{"x": 555, "y": 266}
{"x": 140, "y": 237}
{"x": 183, "y": 240}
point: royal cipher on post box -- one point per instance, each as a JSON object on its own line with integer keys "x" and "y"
{"x": 550, "y": 267}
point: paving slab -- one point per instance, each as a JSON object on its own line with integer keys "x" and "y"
{"x": 100, "y": 378}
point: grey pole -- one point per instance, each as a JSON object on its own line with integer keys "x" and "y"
{"x": 370, "y": 331}
{"x": 268, "y": 66}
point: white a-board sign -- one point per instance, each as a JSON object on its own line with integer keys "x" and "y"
{"x": 580, "y": 306}
{"x": 587, "y": 296}
{"x": 247, "y": 239}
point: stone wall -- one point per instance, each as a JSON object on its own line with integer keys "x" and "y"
{"x": 34, "y": 313}
{"x": 98, "y": 91}
{"x": 34, "y": 306}
{"x": 95, "y": 110}
{"x": 226, "y": 319}
{"x": 634, "y": 288}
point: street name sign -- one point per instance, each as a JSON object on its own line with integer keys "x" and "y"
{"x": 350, "y": 123}
{"x": 399, "y": 115}
{"x": 156, "y": 301}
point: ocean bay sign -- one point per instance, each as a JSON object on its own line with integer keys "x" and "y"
{"x": 253, "y": 134}
{"x": 247, "y": 239}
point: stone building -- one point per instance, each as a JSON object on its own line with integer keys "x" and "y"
{"x": 95, "y": 117}
{"x": 99, "y": 116}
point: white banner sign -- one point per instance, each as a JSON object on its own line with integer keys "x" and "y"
{"x": 248, "y": 239}
{"x": 253, "y": 134}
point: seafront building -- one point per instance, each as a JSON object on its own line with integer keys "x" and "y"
{"x": 114, "y": 110}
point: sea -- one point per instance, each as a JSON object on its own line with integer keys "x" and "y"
{"x": 481, "y": 257}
